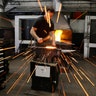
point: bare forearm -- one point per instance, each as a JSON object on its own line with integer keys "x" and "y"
{"x": 33, "y": 33}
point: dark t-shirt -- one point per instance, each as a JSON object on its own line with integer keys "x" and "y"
{"x": 42, "y": 26}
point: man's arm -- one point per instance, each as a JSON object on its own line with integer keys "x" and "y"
{"x": 33, "y": 33}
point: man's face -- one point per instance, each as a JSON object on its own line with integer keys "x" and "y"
{"x": 50, "y": 14}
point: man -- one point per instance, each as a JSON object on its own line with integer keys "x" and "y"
{"x": 42, "y": 29}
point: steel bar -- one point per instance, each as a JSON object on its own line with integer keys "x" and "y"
{"x": 52, "y": 48}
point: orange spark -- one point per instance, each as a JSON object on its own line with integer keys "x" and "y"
{"x": 81, "y": 85}
{"x": 1, "y": 59}
{"x": 3, "y": 49}
{"x": 15, "y": 83}
{"x": 5, "y": 19}
{"x": 74, "y": 59}
{"x": 79, "y": 17}
{"x": 67, "y": 74}
{"x": 90, "y": 62}
{"x": 59, "y": 13}
{"x": 87, "y": 77}
{"x": 22, "y": 86}
{"x": 31, "y": 75}
{"x": 40, "y": 5}
{"x": 14, "y": 74}
{"x": 18, "y": 55}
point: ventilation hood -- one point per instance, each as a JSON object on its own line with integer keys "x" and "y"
{"x": 62, "y": 23}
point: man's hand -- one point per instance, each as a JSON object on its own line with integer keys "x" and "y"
{"x": 40, "y": 40}
{"x": 53, "y": 44}
{"x": 46, "y": 38}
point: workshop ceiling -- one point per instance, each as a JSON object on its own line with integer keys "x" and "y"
{"x": 78, "y": 5}
{"x": 67, "y": 5}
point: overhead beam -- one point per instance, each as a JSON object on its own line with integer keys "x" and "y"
{"x": 72, "y": 6}
{"x": 30, "y": 0}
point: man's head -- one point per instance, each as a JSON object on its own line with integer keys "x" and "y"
{"x": 49, "y": 12}
{"x": 50, "y": 9}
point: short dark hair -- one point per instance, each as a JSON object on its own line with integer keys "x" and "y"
{"x": 51, "y": 9}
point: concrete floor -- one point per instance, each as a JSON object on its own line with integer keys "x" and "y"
{"x": 65, "y": 88}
